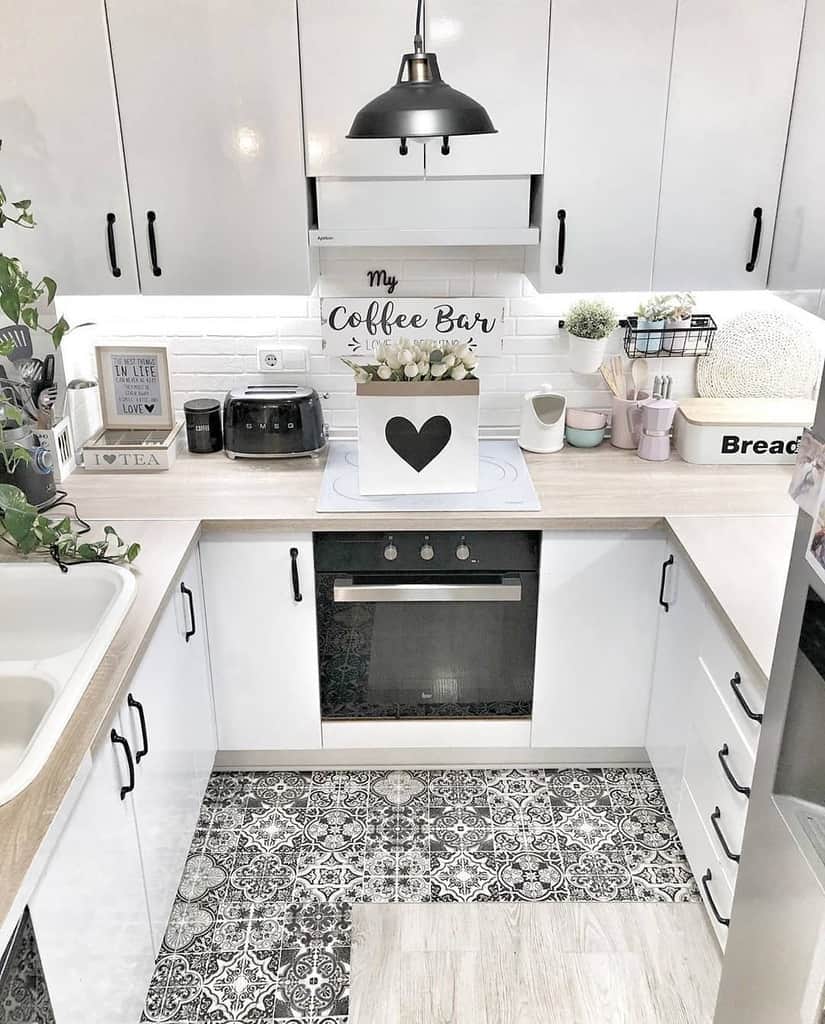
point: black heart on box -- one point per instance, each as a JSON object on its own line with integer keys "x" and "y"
{"x": 109, "y": 458}
{"x": 418, "y": 448}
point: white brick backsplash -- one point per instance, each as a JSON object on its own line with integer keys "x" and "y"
{"x": 213, "y": 340}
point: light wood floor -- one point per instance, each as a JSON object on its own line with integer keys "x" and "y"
{"x": 519, "y": 963}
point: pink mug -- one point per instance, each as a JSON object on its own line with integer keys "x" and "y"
{"x": 626, "y": 425}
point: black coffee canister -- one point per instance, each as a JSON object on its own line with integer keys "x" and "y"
{"x": 203, "y": 425}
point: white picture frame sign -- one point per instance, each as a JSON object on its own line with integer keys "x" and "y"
{"x": 135, "y": 387}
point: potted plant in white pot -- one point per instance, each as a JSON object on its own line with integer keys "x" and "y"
{"x": 651, "y": 319}
{"x": 417, "y": 419}
{"x": 589, "y": 323}
{"x": 680, "y": 314}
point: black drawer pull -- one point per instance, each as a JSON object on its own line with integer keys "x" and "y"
{"x": 187, "y": 636}
{"x": 705, "y": 879}
{"x": 736, "y": 686}
{"x": 144, "y": 750}
{"x": 403, "y": 148}
{"x": 665, "y": 604}
{"x": 151, "y": 217}
{"x": 714, "y": 820}
{"x": 562, "y": 215}
{"x": 110, "y": 241}
{"x": 723, "y": 754}
{"x": 115, "y": 738}
{"x": 750, "y": 266}
{"x": 296, "y": 582}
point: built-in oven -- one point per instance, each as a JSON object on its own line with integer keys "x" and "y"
{"x": 426, "y": 625}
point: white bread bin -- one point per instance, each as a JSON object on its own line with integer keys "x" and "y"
{"x": 741, "y": 431}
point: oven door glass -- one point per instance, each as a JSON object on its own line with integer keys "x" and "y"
{"x": 422, "y": 646}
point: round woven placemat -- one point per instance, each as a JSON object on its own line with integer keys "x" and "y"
{"x": 760, "y": 355}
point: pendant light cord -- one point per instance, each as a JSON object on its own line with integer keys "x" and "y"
{"x": 418, "y": 42}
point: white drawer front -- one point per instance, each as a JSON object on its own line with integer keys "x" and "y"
{"x": 726, "y": 661}
{"x": 718, "y": 727}
{"x": 720, "y": 807}
{"x": 703, "y": 859}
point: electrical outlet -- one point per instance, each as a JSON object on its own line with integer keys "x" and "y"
{"x": 270, "y": 359}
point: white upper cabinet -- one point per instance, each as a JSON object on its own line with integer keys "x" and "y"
{"x": 350, "y": 53}
{"x": 606, "y": 107}
{"x": 497, "y": 53}
{"x": 210, "y": 102}
{"x": 732, "y": 83}
{"x": 798, "y": 258}
{"x": 61, "y": 146}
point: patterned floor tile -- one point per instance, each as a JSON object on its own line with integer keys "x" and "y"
{"x": 261, "y": 928}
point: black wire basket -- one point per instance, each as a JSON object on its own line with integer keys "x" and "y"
{"x": 669, "y": 342}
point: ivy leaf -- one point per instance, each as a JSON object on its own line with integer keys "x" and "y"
{"x": 10, "y": 304}
{"x": 51, "y": 288}
{"x": 29, "y": 317}
{"x": 90, "y": 551}
{"x": 22, "y": 204}
{"x": 132, "y": 552}
{"x": 19, "y": 523}
{"x": 12, "y": 497}
{"x": 11, "y": 413}
{"x": 28, "y": 544}
{"x": 58, "y": 331}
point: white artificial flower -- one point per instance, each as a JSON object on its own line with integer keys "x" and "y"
{"x": 438, "y": 370}
{"x": 458, "y": 372}
{"x": 411, "y": 370}
{"x": 393, "y": 361}
{"x": 449, "y": 360}
{"x": 470, "y": 360}
{"x": 424, "y": 368}
{"x": 362, "y": 377}
{"x": 405, "y": 357}
{"x": 384, "y": 372}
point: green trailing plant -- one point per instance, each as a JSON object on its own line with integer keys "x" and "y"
{"x": 31, "y": 532}
{"x": 593, "y": 319}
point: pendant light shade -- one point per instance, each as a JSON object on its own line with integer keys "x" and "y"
{"x": 420, "y": 105}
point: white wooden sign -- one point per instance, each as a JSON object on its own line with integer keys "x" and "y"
{"x": 354, "y": 327}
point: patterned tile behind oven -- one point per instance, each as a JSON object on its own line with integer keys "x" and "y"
{"x": 260, "y": 931}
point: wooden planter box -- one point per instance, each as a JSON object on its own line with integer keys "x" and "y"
{"x": 418, "y": 438}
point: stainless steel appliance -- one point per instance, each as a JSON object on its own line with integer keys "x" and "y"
{"x": 415, "y": 625}
{"x": 24, "y": 997}
{"x": 774, "y": 966}
{"x": 271, "y": 422}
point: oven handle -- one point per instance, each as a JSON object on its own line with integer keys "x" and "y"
{"x": 346, "y": 592}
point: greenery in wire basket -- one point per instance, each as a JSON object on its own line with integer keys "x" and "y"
{"x": 656, "y": 308}
{"x": 593, "y": 319}
{"x": 30, "y": 532}
{"x": 416, "y": 361}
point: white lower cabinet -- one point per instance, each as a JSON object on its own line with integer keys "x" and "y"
{"x": 682, "y": 617}
{"x": 596, "y": 637}
{"x": 168, "y": 714}
{"x": 89, "y": 909}
{"x": 101, "y": 906}
{"x": 259, "y": 588}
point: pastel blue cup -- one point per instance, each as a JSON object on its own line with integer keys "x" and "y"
{"x": 581, "y": 438}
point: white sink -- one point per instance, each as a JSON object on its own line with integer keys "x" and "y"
{"x": 56, "y": 627}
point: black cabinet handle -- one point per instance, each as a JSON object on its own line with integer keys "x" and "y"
{"x": 151, "y": 217}
{"x": 187, "y": 636}
{"x": 562, "y": 215}
{"x": 735, "y": 685}
{"x": 296, "y": 583}
{"x": 705, "y": 879}
{"x": 714, "y": 820}
{"x": 144, "y": 750}
{"x": 723, "y": 755}
{"x": 110, "y": 241}
{"x": 445, "y": 145}
{"x": 115, "y": 738}
{"x": 665, "y": 604}
{"x": 750, "y": 266}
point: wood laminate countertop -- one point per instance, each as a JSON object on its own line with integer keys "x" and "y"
{"x": 734, "y": 523}
{"x": 602, "y": 487}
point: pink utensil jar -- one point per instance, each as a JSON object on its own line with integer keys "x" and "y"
{"x": 657, "y": 420}
{"x": 626, "y": 424}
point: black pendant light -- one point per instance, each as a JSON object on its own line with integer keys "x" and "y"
{"x": 420, "y": 105}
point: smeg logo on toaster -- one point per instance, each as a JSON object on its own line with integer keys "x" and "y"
{"x": 733, "y": 444}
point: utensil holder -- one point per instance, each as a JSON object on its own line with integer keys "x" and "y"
{"x": 626, "y": 427}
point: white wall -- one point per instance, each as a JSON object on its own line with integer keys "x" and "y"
{"x": 213, "y": 341}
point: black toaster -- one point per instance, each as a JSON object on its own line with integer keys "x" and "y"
{"x": 271, "y": 422}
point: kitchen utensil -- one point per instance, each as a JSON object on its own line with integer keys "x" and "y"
{"x": 760, "y": 354}
{"x": 626, "y": 423}
{"x": 668, "y": 386}
{"x": 31, "y": 371}
{"x": 657, "y": 419}
{"x": 640, "y": 373}
{"x": 586, "y": 419}
{"x": 20, "y": 337}
{"x": 45, "y": 404}
{"x": 618, "y": 373}
{"x": 606, "y": 370}
{"x": 542, "y": 422}
{"x": 580, "y": 438}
